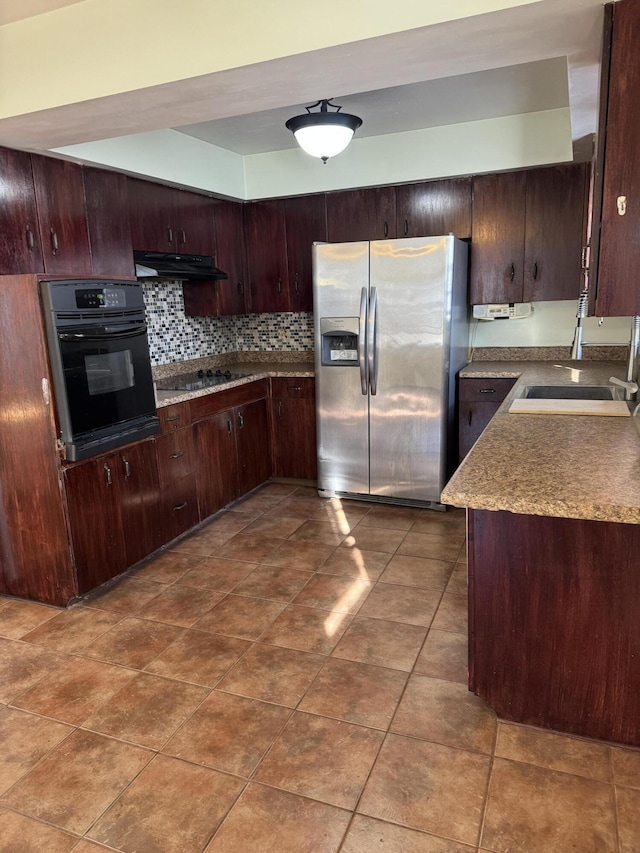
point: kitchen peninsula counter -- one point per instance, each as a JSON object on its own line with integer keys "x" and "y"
{"x": 568, "y": 466}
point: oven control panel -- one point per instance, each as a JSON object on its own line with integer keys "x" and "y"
{"x": 104, "y": 297}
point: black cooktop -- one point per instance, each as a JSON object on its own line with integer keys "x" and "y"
{"x": 197, "y": 381}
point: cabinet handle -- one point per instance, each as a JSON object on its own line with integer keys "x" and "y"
{"x": 470, "y": 416}
{"x": 621, "y": 205}
{"x": 279, "y": 408}
{"x": 279, "y": 285}
{"x": 177, "y": 455}
{"x": 535, "y": 271}
{"x": 108, "y": 472}
{"x": 183, "y": 237}
{"x": 172, "y": 418}
{"x": 406, "y": 227}
{"x": 487, "y": 390}
{"x": 294, "y": 388}
{"x": 241, "y": 419}
{"x": 386, "y": 229}
{"x": 229, "y": 425}
{"x": 296, "y": 284}
{"x": 181, "y": 506}
{"x": 31, "y": 242}
{"x": 55, "y": 245}
{"x": 512, "y": 273}
{"x": 127, "y": 468}
{"x": 169, "y": 234}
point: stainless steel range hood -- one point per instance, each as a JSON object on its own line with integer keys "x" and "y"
{"x": 152, "y": 266}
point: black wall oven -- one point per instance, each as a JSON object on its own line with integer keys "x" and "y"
{"x": 100, "y": 364}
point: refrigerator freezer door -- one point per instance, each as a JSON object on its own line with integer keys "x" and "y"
{"x": 408, "y": 413}
{"x": 341, "y": 270}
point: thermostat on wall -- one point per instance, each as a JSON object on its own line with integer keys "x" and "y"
{"x": 503, "y": 311}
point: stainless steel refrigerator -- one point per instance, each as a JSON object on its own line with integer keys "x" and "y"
{"x": 391, "y": 332}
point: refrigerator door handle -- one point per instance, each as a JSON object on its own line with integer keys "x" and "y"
{"x": 362, "y": 343}
{"x": 372, "y": 341}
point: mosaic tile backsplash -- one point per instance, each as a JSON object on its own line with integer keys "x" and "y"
{"x": 175, "y": 337}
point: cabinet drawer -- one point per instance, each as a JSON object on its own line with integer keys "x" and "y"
{"x": 179, "y": 507}
{"x": 174, "y": 417}
{"x": 293, "y": 387}
{"x": 485, "y": 390}
{"x": 175, "y": 455}
{"x": 220, "y": 401}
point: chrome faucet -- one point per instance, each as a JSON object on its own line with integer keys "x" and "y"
{"x": 581, "y": 313}
{"x": 632, "y": 361}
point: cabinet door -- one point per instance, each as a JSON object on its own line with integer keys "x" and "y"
{"x": 193, "y": 223}
{"x": 361, "y": 215}
{"x": 230, "y": 256}
{"x": 179, "y": 507}
{"x": 472, "y": 419}
{"x": 151, "y": 212}
{"x": 618, "y": 292}
{"x": 252, "y": 443}
{"x": 20, "y": 248}
{"x": 216, "y": 473}
{"x": 108, "y": 220}
{"x": 497, "y": 247}
{"x": 306, "y": 223}
{"x": 139, "y": 500}
{"x": 267, "y": 256}
{"x": 294, "y": 437}
{"x": 94, "y": 519}
{"x": 61, "y": 215}
{"x": 554, "y": 232}
{"x": 433, "y": 208}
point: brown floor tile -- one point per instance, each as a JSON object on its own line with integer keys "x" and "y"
{"x": 199, "y": 657}
{"x": 217, "y": 574}
{"x": 181, "y": 605}
{"x": 319, "y": 532}
{"x": 268, "y": 821}
{"x": 22, "y": 666}
{"x": 273, "y": 674}
{"x": 554, "y": 751}
{"x": 355, "y": 692}
{"x": 17, "y": 618}
{"x": 366, "y": 834}
{"x": 628, "y": 802}
{"x": 25, "y": 739}
{"x": 74, "y": 690}
{"x": 401, "y": 604}
{"x": 72, "y": 630}
{"x": 444, "y": 655}
{"x": 304, "y": 556}
{"x": 295, "y": 507}
{"x": 225, "y": 524}
{"x": 339, "y": 595}
{"x": 441, "y": 523}
{"x": 147, "y": 711}
{"x": 429, "y": 787}
{"x": 278, "y": 490}
{"x": 75, "y": 783}
{"x": 343, "y": 513}
{"x": 381, "y": 643}
{"x": 626, "y": 767}
{"x": 133, "y": 642}
{"x": 307, "y": 629}
{"x": 324, "y": 759}
{"x": 452, "y": 614}
{"x": 19, "y": 834}
{"x": 252, "y": 548}
{"x": 258, "y": 503}
{"x": 374, "y": 539}
{"x": 418, "y": 572}
{"x": 273, "y": 582}
{"x": 201, "y": 546}
{"x": 445, "y": 712}
{"x": 89, "y": 847}
{"x": 172, "y": 807}
{"x": 393, "y": 517}
{"x": 126, "y": 597}
{"x": 543, "y": 811}
{"x": 354, "y": 563}
{"x": 458, "y": 582}
{"x": 240, "y": 616}
{"x": 229, "y": 733}
{"x": 167, "y": 568}
{"x": 274, "y": 527}
{"x": 432, "y": 547}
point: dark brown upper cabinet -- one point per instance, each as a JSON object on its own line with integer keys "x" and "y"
{"x": 62, "y": 217}
{"x": 305, "y": 224}
{"x": 267, "y": 256}
{"x": 528, "y": 234}
{"x": 20, "y": 248}
{"x": 108, "y": 220}
{"x": 433, "y": 208}
{"x": 228, "y": 221}
{"x": 618, "y": 293}
{"x": 368, "y": 214}
{"x": 193, "y": 223}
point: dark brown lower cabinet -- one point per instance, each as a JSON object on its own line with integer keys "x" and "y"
{"x": 293, "y": 424}
{"x": 478, "y": 401}
{"x": 179, "y": 507}
{"x": 216, "y": 476}
{"x": 554, "y": 607}
{"x": 252, "y": 445}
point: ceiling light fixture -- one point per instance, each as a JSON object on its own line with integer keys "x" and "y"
{"x": 324, "y": 134}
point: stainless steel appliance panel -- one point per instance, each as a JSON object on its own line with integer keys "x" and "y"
{"x": 412, "y": 280}
{"x": 341, "y": 272}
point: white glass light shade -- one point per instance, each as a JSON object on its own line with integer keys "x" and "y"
{"x": 324, "y": 140}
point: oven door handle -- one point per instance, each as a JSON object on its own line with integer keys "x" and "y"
{"x": 108, "y": 336}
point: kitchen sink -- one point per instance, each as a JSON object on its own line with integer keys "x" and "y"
{"x": 568, "y": 392}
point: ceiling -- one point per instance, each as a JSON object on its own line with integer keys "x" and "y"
{"x": 18, "y": 10}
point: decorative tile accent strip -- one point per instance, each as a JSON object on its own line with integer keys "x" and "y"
{"x": 174, "y": 337}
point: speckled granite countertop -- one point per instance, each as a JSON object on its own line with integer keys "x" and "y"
{"x": 557, "y": 465}
{"x": 255, "y": 365}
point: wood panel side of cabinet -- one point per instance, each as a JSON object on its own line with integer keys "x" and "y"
{"x": 434, "y": 208}
{"x": 20, "y": 247}
{"x": 553, "y": 622}
{"x": 497, "y": 245}
{"x": 366, "y": 214}
{"x": 109, "y": 224}
{"x": 305, "y": 224}
{"x": 35, "y": 561}
{"x": 216, "y": 472}
{"x": 62, "y": 219}
{"x": 267, "y": 256}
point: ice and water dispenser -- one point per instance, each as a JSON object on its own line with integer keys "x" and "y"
{"x": 339, "y": 336}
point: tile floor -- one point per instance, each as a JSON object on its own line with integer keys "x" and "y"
{"x": 290, "y": 678}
